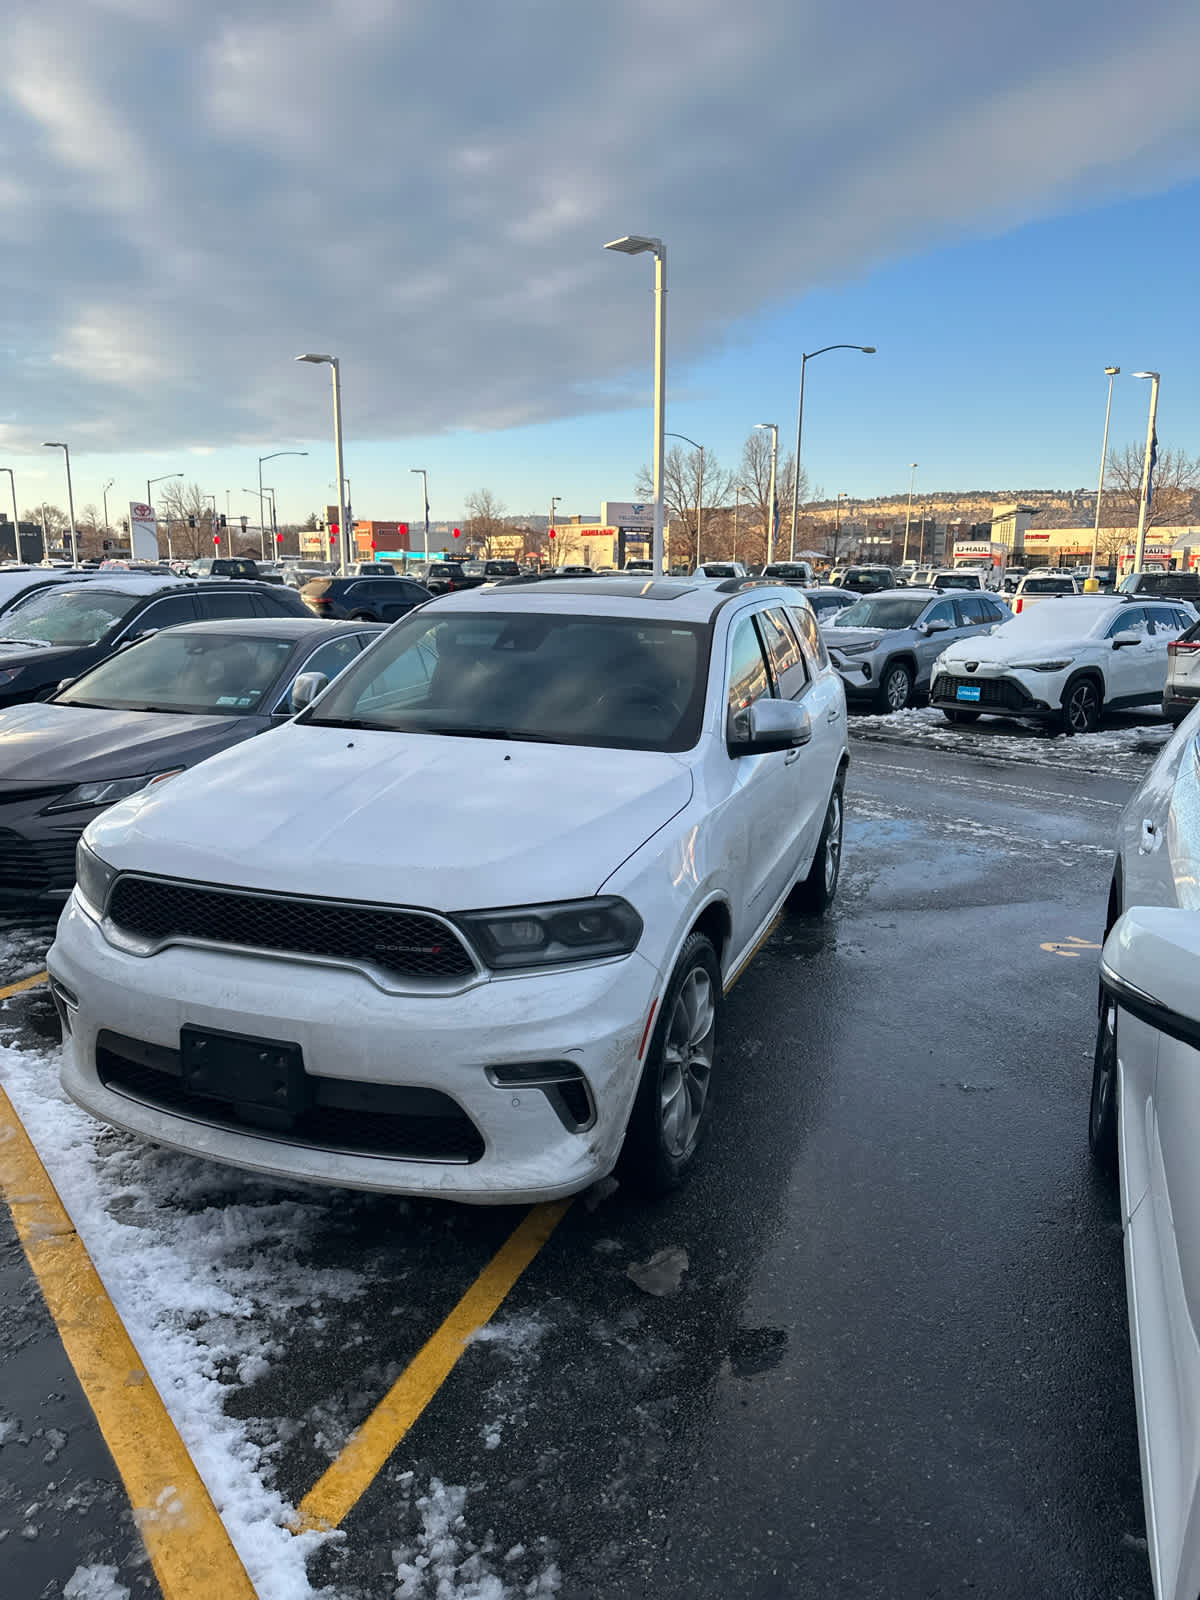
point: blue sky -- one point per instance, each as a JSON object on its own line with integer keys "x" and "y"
{"x": 1003, "y": 204}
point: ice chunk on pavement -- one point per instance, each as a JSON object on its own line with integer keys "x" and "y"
{"x": 94, "y": 1583}
{"x": 663, "y": 1273}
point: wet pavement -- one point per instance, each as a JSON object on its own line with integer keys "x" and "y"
{"x": 892, "y": 1356}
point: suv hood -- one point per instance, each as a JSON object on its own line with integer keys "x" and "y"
{"x": 1004, "y": 648}
{"x": 837, "y": 637}
{"x": 417, "y": 819}
{"x": 46, "y": 743}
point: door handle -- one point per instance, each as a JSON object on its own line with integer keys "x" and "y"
{"x": 1149, "y": 834}
{"x": 792, "y": 755}
{"x": 832, "y": 714}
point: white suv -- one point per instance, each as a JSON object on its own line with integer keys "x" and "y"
{"x": 547, "y": 827}
{"x": 1063, "y": 662}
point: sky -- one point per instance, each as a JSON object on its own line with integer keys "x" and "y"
{"x": 1002, "y": 199}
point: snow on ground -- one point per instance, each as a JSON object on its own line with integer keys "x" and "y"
{"x": 1125, "y": 750}
{"x": 94, "y": 1583}
{"x": 209, "y": 1270}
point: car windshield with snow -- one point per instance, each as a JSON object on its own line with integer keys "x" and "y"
{"x": 545, "y": 839}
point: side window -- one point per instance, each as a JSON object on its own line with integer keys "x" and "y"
{"x": 748, "y": 679}
{"x": 787, "y": 658}
{"x": 810, "y": 634}
{"x": 973, "y": 609}
{"x": 411, "y": 591}
{"x": 233, "y": 604}
{"x": 1165, "y": 620}
{"x": 166, "y": 613}
{"x": 1130, "y": 619}
{"x": 274, "y": 605}
{"x": 331, "y": 657}
{"x": 942, "y": 612}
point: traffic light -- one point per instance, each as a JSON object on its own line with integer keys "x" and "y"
{"x": 221, "y": 520}
{"x": 244, "y": 521}
{"x": 191, "y": 522}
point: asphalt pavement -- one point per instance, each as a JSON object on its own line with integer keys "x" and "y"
{"x": 883, "y": 1349}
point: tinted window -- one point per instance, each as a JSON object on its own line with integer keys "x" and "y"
{"x": 237, "y": 603}
{"x": 413, "y": 592}
{"x": 810, "y": 634}
{"x": 1130, "y": 619}
{"x": 1165, "y": 620}
{"x": 332, "y": 656}
{"x": 973, "y": 609}
{"x": 276, "y": 605}
{"x": 166, "y": 613}
{"x": 1048, "y": 586}
{"x": 748, "y": 680}
{"x": 68, "y": 616}
{"x": 200, "y": 673}
{"x": 611, "y": 682}
{"x": 787, "y": 658}
{"x": 942, "y": 612}
{"x": 826, "y": 604}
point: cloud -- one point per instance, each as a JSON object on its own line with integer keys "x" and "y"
{"x": 193, "y": 196}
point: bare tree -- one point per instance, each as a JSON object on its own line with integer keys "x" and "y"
{"x": 56, "y": 519}
{"x": 682, "y": 488}
{"x": 485, "y": 520}
{"x": 1175, "y": 487}
{"x": 188, "y": 514}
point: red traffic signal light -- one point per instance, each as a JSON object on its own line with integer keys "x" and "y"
{"x": 333, "y": 530}
{"x": 458, "y": 533}
{"x": 278, "y": 538}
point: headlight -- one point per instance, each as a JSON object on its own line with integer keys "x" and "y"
{"x": 10, "y": 675}
{"x": 1041, "y": 666}
{"x": 854, "y": 649}
{"x": 93, "y": 878}
{"x": 106, "y": 792}
{"x": 538, "y": 936}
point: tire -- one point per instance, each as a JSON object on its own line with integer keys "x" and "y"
{"x": 671, "y": 1111}
{"x": 895, "y": 687}
{"x": 960, "y": 716}
{"x": 1081, "y": 705}
{"x": 814, "y": 895}
{"x": 1102, "y": 1107}
{"x": 363, "y": 616}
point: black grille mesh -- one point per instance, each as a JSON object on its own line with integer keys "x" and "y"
{"x": 405, "y": 943}
{"x": 36, "y": 866}
{"x": 992, "y": 692}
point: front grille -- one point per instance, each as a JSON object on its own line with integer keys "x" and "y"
{"x": 1001, "y": 692}
{"x": 36, "y": 866}
{"x": 407, "y": 944}
{"x": 345, "y": 1116}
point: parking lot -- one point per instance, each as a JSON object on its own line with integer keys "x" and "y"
{"x": 877, "y": 1345}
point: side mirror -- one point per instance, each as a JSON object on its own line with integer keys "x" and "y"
{"x": 768, "y": 725}
{"x": 65, "y": 683}
{"x": 307, "y": 687}
{"x": 937, "y": 625}
{"x": 1149, "y": 967}
{"x": 1120, "y": 640}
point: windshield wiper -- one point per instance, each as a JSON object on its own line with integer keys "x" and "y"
{"x": 36, "y": 644}
{"x": 353, "y": 722}
{"x": 466, "y": 731}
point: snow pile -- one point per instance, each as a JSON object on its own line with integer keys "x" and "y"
{"x": 94, "y": 1583}
{"x": 1132, "y": 747}
{"x": 446, "y": 1565}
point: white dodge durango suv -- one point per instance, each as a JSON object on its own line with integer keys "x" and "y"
{"x": 544, "y": 827}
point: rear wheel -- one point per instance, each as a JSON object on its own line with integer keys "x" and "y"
{"x": 1081, "y": 707}
{"x": 895, "y": 687}
{"x": 960, "y": 716}
{"x": 814, "y": 894}
{"x": 670, "y": 1113}
{"x": 362, "y": 616}
{"x": 1102, "y": 1112}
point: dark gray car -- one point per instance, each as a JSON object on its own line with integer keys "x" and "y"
{"x": 885, "y": 644}
{"x": 149, "y": 711}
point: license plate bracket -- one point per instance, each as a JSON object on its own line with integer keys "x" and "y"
{"x": 243, "y": 1069}
{"x": 967, "y": 691}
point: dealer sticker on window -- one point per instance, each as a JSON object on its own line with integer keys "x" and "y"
{"x": 967, "y": 691}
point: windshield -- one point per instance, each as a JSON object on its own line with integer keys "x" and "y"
{"x": 67, "y": 616}
{"x": 882, "y": 611}
{"x": 958, "y": 580}
{"x": 616, "y": 682}
{"x": 205, "y": 674}
{"x": 1049, "y": 586}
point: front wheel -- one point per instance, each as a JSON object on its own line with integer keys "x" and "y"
{"x": 895, "y": 687}
{"x": 814, "y": 894}
{"x": 1102, "y": 1111}
{"x": 671, "y": 1110}
{"x": 1081, "y": 707}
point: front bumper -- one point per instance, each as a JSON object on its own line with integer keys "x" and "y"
{"x": 37, "y": 853}
{"x": 857, "y": 674}
{"x": 357, "y": 1040}
{"x": 1000, "y": 695}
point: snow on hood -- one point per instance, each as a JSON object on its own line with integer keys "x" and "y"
{"x": 1056, "y": 623}
{"x": 421, "y": 819}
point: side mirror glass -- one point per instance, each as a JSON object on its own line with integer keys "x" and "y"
{"x": 768, "y": 725}
{"x": 307, "y": 687}
{"x": 937, "y": 625}
{"x": 1149, "y": 967}
{"x": 1120, "y": 640}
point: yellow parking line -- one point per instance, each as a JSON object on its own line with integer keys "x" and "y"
{"x": 185, "y": 1539}
{"x": 346, "y": 1479}
{"x": 25, "y": 983}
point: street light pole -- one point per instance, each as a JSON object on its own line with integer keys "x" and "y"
{"x": 12, "y": 483}
{"x": 53, "y": 444}
{"x": 772, "y": 510}
{"x": 150, "y": 503}
{"x": 213, "y": 531}
{"x": 635, "y": 244}
{"x": 867, "y": 350}
{"x": 554, "y": 499}
{"x": 104, "y": 497}
{"x": 424, "y": 501}
{"x": 1147, "y": 467}
{"x": 912, "y": 478}
{"x": 740, "y": 489}
{"x": 340, "y": 471}
{"x": 1111, "y": 373}
{"x": 699, "y": 491}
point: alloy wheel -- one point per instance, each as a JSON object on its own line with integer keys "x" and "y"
{"x": 1082, "y": 708}
{"x": 897, "y": 689}
{"x": 687, "y": 1061}
{"x": 1106, "y": 1072}
{"x": 833, "y": 841}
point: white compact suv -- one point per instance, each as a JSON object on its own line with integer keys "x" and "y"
{"x": 544, "y": 828}
{"x": 1063, "y": 662}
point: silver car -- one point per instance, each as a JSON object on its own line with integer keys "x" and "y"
{"x": 885, "y": 644}
{"x": 1144, "y": 1125}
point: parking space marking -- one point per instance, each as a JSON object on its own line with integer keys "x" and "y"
{"x": 1070, "y": 946}
{"x": 25, "y": 983}
{"x": 347, "y": 1478}
{"x": 189, "y": 1549}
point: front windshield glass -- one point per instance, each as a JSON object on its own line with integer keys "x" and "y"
{"x": 205, "y": 674}
{"x": 67, "y": 616}
{"x": 882, "y": 611}
{"x": 617, "y": 682}
{"x": 958, "y": 580}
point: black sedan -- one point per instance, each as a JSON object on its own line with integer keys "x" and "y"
{"x": 62, "y": 631}
{"x": 380, "y": 599}
{"x": 143, "y": 715}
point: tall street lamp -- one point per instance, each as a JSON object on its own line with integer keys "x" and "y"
{"x": 636, "y": 244}
{"x": 867, "y": 350}
{"x": 738, "y": 492}
{"x": 424, "y": 476}
{"x": 1110, "y": 373}
{"x": 340, "y": 472}
{"x": 262, "y": 517}
{"x": 274, "y": 454}
{"x": 1147, "y": 469}
{"x": 150, "y": 503}
{"x": 554, "y": 499}
{"x": 12, "y": 484}
{"x": 912, "y": 478}
{"x": 52, "y": 444}
{"x": 214, "y": 532}
{"x": 699, "y": 491}
{"x": 104, "y": 496}
{"x": 772, "y": 508}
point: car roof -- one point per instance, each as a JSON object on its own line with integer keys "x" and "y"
{"x": 619, "y": 595}
{"x": 278, "y": 627}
